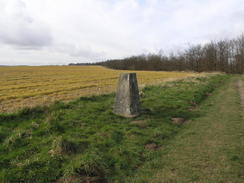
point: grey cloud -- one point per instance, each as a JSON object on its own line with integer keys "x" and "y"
{"x": 26, "y": 38}
{"x": 77, "y": 51}
{"x": 87, "y": 53}
{"x": 19, "y": 29}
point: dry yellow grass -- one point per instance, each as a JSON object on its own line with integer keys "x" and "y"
{"x": 25, "y": 86}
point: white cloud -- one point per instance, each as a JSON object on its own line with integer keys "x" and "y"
{"x": 63, "y": 31}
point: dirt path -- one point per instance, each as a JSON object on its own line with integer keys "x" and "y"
{"x": 210, "y": 149}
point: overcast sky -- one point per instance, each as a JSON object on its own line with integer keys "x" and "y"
{"x": 41, "y": 32}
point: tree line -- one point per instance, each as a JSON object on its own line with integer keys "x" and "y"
{"x": 224, "y": 55}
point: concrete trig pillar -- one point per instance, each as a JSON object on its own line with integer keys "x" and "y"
{"x": 127, "y": 96}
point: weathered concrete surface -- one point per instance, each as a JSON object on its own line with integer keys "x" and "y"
{"x": 127, "y": 96}
{"x": 241, "y": 91}
{"x": 240, "y": 86}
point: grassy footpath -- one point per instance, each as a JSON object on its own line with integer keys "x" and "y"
{"x": 84, "y": 141}
{"x": 209, "y": 150}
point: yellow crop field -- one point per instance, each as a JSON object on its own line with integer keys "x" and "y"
{"x": 28, "y": 86}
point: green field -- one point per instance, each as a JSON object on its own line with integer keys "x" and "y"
{"x": 83, "y": 141}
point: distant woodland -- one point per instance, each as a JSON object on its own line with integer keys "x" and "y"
{"x": 225, "y": 56}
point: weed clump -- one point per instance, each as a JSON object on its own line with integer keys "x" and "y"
{"x": 61, "y": 145}
{"x": 18, "y": 138}
{"x": 90, "y": 166}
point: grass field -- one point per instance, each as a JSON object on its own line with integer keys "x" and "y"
{"x": 83, "y": 141}
{"x": 30, "y": 86}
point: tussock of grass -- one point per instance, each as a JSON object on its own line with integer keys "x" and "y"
{"x": 61, "y": 145}
{"x": 83, "y": 140}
